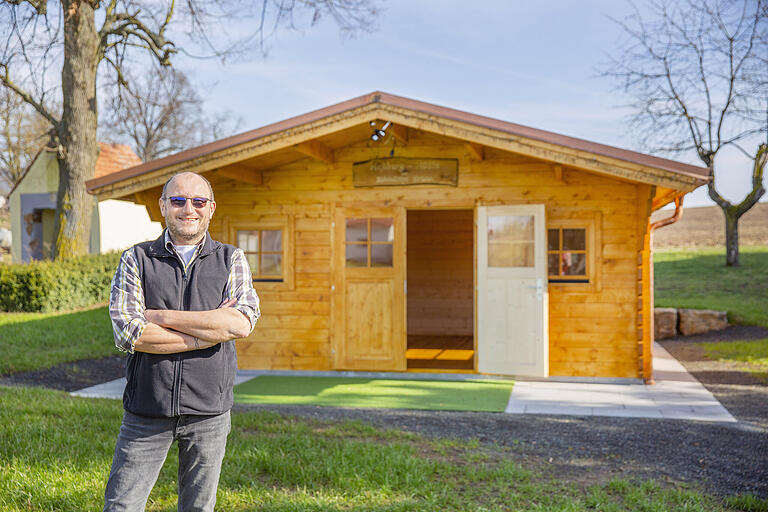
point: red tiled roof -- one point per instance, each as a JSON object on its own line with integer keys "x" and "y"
{"x": 699, "y": 173}
{"x": 114, "y": 158}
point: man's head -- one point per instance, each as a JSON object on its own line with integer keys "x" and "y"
{"x": 187, "y": 223}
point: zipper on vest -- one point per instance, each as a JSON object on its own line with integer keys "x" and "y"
{"x": 177, "y": 366}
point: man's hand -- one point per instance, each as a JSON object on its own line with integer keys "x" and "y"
{"x": 228, "y": 303}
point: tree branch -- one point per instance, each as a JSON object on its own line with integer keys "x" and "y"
{"x": 5, "y": 79}
{"x": 41, "y": 6}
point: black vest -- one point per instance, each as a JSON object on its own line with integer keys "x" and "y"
{"x": 195, "y": 382}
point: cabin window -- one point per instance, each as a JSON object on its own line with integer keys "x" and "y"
{"x": 511, "y": 241}
{"x": 263, "y": 249}
{"x": 567, "y": 254}
{"x": 369, "y": 242}
{"x": 268, "y": 247}
{"x": 573, "y": 250}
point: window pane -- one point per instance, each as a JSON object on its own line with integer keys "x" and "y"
{"x": 574, "y": 239}
{"x": 271, "y": 264}
{"x": 253, "y": 262}
{"x": 382, "y": 230}
{"x": 248, "y": 240}
{"x": 272, "y": 240}
{"x": 357, "y": 230}
{"x": 510, "y": 228}
{"x": 574, "y": 264}
{"x": 357, "y": 255}
{"x": 552, "y": 267}
{"x": 381, "y": 255}
{"x": 510, "y": 241}
{"x": 553, "y": 239}
{"x": 515, "y": 254}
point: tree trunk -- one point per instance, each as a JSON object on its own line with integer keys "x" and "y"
{"x": 731, "y": 237}
{"x": 734, "y": 212}
{"x": 77, "y": 131}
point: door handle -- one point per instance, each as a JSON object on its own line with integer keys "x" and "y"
{"x": 539, "y": 287}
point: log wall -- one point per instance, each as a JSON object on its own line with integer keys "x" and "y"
{"x": 592, "y": 328}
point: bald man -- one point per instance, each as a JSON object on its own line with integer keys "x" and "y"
{"x": 177, "y": 305}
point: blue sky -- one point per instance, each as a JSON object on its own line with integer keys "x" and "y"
{"x": 533, "y": 63}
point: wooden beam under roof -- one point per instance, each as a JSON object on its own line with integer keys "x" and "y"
{"x": 150, "y": 199}
{"x": 316, "y": 150}
{"x": 558, "y": 169}
{"x": 399, "y": 132}
{"x": 241, "y": 172}
{"x": 476, "y": 151}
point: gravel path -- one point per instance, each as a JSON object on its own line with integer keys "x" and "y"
{"x": 725, "y": 459}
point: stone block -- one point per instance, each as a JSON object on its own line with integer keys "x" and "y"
{"x": 664, "y": 323}
{"x": 696, "y": 321}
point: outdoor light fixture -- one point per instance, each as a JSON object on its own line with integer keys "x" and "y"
{"x": 379, "y": 133}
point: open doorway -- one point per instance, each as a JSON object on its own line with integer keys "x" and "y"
{"x": 440, "y": 299}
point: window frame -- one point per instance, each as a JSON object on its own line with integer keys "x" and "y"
{"x": 284, "y": 224}
{"x": 369, "y": 243}
{"x": 590, "y": 222}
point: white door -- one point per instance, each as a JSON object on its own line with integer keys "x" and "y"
{"x": 512, "y": 310}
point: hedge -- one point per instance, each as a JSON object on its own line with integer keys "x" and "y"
{"x": 45, "y": 286}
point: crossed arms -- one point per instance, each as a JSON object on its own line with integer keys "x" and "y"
{"x": 159, "y": 331}
{"x": 171, "y": 331}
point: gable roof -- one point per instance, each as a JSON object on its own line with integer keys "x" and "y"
{"x": 112, "y": 158}
{"x": 415, "y": 114}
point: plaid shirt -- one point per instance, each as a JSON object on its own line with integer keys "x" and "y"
{"x": 126, "y": 301}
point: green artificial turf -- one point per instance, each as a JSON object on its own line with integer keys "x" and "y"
{"x": 466, "y": 395}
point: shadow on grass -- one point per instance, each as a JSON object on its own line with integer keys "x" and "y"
{"x": 35, "y": 341}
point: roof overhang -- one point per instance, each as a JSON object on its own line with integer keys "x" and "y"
{"x": 472, "y": 128}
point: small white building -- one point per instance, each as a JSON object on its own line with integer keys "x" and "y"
{"x": 115, "y": 224}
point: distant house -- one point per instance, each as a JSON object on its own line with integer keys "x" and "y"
{"x": 386, "y": 233}
{"x": 115, "y": 224}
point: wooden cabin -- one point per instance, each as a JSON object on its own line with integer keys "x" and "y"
{"x": 386, "y": 233}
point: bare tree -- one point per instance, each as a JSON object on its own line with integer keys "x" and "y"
{"x": 23, "y": 133}
{"x": 697, "y": 71}
{"x": 161, "y": 113}
{"x": 38, "y": 41}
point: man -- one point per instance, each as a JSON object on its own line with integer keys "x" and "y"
{"x": 177, "y": 304}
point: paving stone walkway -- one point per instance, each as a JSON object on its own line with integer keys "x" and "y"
{"x": 675, "y": 395}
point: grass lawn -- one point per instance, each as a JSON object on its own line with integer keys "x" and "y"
{"x": 32, "y": 341}
{"x": 468, "y": 395}
{"x": 753, "y": 354}
{"x": 56, "y": 450}
{"x": 699, "y": 279}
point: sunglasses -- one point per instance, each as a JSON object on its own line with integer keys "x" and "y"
{"x": 181, "y": 202}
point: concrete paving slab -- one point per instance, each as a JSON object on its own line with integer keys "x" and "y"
{"x": 676, "y": 395}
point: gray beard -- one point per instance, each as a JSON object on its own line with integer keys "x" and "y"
{"x": 184, "y": 237}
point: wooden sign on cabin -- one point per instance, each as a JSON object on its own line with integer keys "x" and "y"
{"x": 385, "y": 172}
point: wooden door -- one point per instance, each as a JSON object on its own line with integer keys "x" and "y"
{"x": 512, "y": 308}
{"x": 368, "y": 307}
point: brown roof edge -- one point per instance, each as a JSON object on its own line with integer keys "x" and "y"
{"x": 234, "y": 140}
{"x": 700, "y": 173}
{"x": 550, "y": 137}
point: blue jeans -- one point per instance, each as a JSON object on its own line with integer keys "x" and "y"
{"x": 142, "y": 447}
